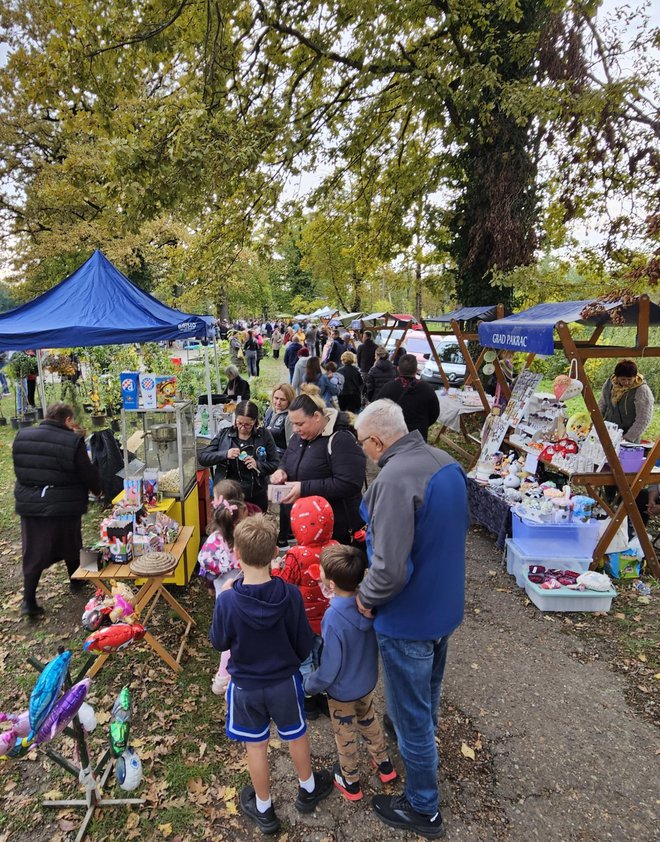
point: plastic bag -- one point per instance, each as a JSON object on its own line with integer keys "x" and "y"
{"x": 594, "y": 581}
{"x": 106, "y": 455}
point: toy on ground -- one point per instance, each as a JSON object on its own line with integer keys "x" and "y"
{"x": 46, "y": 691}
{"x": 7, "y": 741}
{"x": 114, "y": 638}
{"x": 63, "y": 712}
{"x": 20, "y": 723}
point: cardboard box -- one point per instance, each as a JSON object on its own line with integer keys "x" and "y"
{"x": 148, "y": 391}
{"x": 129, "y": 389}
{"x": 622, "y": 565}
{"x": 165, "y": 391}
{"x": 276, "y": 493}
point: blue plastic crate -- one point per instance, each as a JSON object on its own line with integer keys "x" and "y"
{"x": 517, "y": 562}
{"x": 555, "y": 540}
{"x": 564, "y": 599}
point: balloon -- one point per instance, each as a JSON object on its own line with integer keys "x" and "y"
{"x": 7, "y": 740}
{"x": 114, "y": 638}
{"x": 20, "y": 723}
{"x": 120, "y": 725}
{"x": 63, "y": 712}
{"x": 46, "y": 691}
{"x": 87, "y": 717}
{"x": 128, "y": 770}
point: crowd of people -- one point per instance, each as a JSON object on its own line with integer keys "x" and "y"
{"x": 344, "y": 578}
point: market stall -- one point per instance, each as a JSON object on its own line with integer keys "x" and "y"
{"x": 472, "y": 400}
{"x": 586, "y": 450}
{"x": 98, "y": 305}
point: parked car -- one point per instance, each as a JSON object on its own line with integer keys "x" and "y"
{"x": 453, "y": 365}
{"x": 415, "y": 342}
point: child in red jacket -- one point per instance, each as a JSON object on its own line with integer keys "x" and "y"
{"x": 312, "y": 522}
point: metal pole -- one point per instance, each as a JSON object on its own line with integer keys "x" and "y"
{"x": 207, "y": 367}
{"x": 217, "y": 364}
{"x": 42, "y": 385}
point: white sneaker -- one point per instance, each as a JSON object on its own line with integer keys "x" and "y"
{"x": 219, "y": 684}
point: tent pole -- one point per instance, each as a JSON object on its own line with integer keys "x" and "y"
{"x": 42, "y": 385}
{"x": 217, "y": 364}
{"x": 207, "y": 368}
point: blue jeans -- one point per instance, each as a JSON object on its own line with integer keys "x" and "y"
{"x": 312, "y": 661}
{"x": 412, "y": 675}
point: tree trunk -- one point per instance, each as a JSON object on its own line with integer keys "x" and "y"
{"x": 418, "y": 290}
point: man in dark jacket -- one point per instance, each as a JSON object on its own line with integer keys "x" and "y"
{"x": 366, "y": 353}
{"x": 53, "y": 477}
{"x": 291, "y": 356}
{"x": 337, "y": 349}
{"x": 379, "y": 375}
{"x": 416, "y": 398}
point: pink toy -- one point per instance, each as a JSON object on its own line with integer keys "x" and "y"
{"x": 63, "y": 712}
{"x": 20, "y": 723}
{"x": 7, "y": 741}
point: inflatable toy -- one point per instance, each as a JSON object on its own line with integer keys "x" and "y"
{"x": 128, "y": 770}
{"x": 114, "y": 638}
{"x": 63, "y": 712}
{"x": 46, "y": 691}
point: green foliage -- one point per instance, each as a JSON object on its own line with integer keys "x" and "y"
{"x": 21, "y": 364}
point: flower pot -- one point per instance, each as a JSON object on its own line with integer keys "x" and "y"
{"x": 115, "y": 425}
{"x": 40, "y": 414}
{"x": 25, "y": 422}
{"x": 13, "y": 422}
{"x": 30, "y": 415}
{"x": 99, "y": 420}
{"x": 3, "y": 421}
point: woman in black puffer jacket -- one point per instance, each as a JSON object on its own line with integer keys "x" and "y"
{"x": 324, "y": 458}
{"x": 381, "y": 373}
{"x": 350, "y": 397}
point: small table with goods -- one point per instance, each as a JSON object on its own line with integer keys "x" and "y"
{"x": 454, "y": 406}
{"x": 152, "y": 589}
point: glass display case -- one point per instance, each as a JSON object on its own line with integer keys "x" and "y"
{"x": 164, "y": 441}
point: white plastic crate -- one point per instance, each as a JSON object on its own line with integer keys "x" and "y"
{"x": 517, "y": 562}
{"x": 564, "y": 599}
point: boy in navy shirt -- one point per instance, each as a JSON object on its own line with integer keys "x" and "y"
{"x": 349, "y": 671}
{"x": 262, "y": 622}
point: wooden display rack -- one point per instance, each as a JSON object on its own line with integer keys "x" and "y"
{"x": 628, "y": 485}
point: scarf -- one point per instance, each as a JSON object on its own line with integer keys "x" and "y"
{"x": 618, "y": 391}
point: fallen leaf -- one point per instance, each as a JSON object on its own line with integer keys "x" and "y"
{"x": 165, "y": 829}
{"x": 620, "y": 616}
{"x": 466, "y": 751}
{"x": 642, "y": 658}
{"x": 66, "y": 825}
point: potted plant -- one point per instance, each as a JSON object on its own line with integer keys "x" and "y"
{"x": 98, "y": 414}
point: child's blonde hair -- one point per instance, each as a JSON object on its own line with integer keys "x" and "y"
{"x": 255, "y": 541}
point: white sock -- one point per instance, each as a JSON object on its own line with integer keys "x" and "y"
{"x": 262, "y": 806}
{"x": 309, "y": 784}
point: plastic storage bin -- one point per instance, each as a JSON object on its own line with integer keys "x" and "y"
{"x": 632, "y": 457}
{"x": 517, "y": 562}
{"x": 564, "y": 599}
{"x": 555, "y": 540}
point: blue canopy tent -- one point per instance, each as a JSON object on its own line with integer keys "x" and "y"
{"x": 532, "y": 332}
{"x": 96, "y": 305}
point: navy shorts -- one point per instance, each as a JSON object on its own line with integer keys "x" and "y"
{"x": 251, "y": 711}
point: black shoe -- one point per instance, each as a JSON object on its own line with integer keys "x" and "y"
{"x": 306, "y": 801}
{"x": 396, "y": 811}
{"x": 386, "y": 772}
{"x": 31, "y": 609}
{"x": 351, "y": 792}
{"x": 311, "y": 708}
{"x": 282, "y": 541}
{"x": 389, "y": 726}
{"x": 266, "y": 822}
{"x": 322, "y": 704}
{"x": 76, "y": 585}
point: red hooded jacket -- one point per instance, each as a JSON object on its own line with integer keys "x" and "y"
{"x": 312, "y": 522}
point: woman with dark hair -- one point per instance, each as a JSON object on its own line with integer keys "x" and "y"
{"x": 245, "y": 452}
{"x": 324, "y": 458}
{"x": 627, "y": 401}
{"x": 250, "y": 347}
{"x": 313, "y": 374}
{"x": 350, "y": 397}
{"x": 236, "y": 388}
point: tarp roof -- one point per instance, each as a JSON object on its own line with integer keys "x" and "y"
{"x": 381, "y": 319}
{"x": 532, "y": 331}
{"x": 96, "y": 305}
{"x": 464, "y": 314}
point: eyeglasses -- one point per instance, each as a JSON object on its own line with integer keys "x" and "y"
{"x": 248, "y": 424}
{"x": 362, "y": 442}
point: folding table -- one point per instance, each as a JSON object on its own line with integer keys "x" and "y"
{"x": 147, "y": 597}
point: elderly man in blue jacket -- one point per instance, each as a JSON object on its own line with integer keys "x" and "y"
{"x": 417, "y": 515}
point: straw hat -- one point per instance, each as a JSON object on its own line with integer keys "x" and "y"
{"x": 153, "y": 564}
